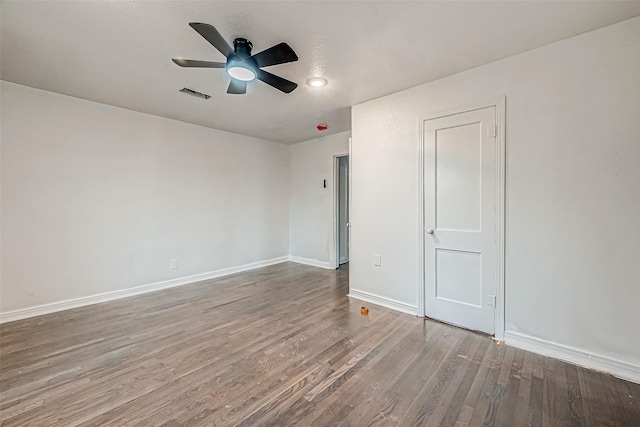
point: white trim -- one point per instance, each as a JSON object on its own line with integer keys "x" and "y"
{"x": 619, "y": 368}
{"x": 464, "y": 108}
{"x": 500, "y": 222}
{"x": 334, "y": 247}
{"x": 349, "y": 198}
{"x": 311, "y": 262}
{"x": 421, "y": 309}
{"x": 500, "y": 207}
{"x": 335, "y": 253}
{"x": 53, "y": 307}
{"x": 383, "y": 301}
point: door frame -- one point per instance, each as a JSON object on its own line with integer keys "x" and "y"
{"x": 499, "y": 207}
{"x": 335, "y": 253}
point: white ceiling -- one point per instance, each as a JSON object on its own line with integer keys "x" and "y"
{"x": 119, "y": 53}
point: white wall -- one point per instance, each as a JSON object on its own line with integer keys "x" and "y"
{"x": 573, "y": 189}
{"x": 311, "y": 205}
{"x": 98, "y": 199}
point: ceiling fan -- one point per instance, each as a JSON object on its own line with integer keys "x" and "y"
{"x": 241, "y": 66}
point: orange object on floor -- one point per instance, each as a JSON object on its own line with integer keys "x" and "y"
{"x": 364, "y": 310}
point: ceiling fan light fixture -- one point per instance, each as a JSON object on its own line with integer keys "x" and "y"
{"x": 317, "y": 82}
{"x": 241, "y": 72}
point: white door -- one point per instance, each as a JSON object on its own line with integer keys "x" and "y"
{"x": 459, "y": 213}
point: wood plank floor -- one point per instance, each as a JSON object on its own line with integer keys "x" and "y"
{"x": 282, "y": 345}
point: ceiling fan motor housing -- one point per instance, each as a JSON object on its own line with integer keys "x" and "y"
{"x": 242, "y": 47}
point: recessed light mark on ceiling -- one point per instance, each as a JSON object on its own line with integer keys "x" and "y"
{"x": 317, "y": 82}
{"x": 318, "y": 56}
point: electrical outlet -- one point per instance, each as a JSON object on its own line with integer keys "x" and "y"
{"x": 173, "y": 263}
{"x": 377, "y": 260}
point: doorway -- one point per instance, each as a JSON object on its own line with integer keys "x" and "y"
{"x": 341, "y": 210}
{"x": 462, "y": 170}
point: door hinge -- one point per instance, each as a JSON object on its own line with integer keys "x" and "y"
{"x": 491, "y": 300}
{"x": 492, "y": 131}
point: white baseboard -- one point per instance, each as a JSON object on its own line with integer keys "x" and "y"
{"x": 383, "y": 301}
{"x": 619, "y": 368}
{"x": 312, "y": 262}
{"x": 24, "y": 313}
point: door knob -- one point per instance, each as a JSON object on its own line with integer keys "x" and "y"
{"x": 430, "y": 230}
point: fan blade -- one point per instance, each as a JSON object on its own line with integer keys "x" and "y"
{"x": 278, "y": 54}
{"x": 237, "y": 87}
{"x": 199, "y": 64}
{"x": 212, "y": 35}
{"x": 276, "y": 81}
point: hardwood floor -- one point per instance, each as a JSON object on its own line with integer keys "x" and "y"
{"x": 282, "y": 345}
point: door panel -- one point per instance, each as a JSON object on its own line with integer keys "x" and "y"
{"x": 459, "y": 276}
{"x": 458, "y": 177}
{"x": 459, "y": 212}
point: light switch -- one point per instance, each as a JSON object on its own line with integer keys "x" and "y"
{"x": 377, "y": 260}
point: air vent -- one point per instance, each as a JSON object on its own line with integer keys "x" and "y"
{"x": 194, "y": 93}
